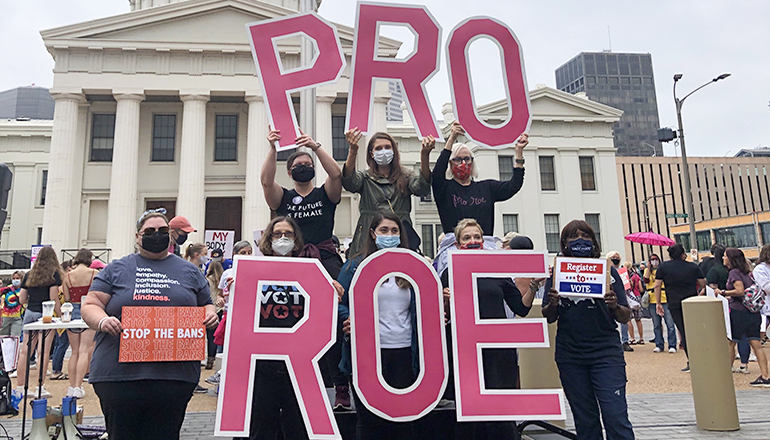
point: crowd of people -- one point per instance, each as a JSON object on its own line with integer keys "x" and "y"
{"x": 590, "y": 342}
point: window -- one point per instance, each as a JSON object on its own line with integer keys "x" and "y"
{"x": 738, "y": 236}
{"x": 39, "y": 235}
{"x": 283, "y": 156}
{"x": 163, "y": 137}
{"x": 765, "y": 227}
{"x": 339, "y": 143}
{"x": 587, "y": 173}
{"x": 703, "y": 239}
{"x": 43, "y": 187}
{"x": 510, "y": 223}
{"x": 505, "y": 166}
{"x": 102, "y": 137}
{"x": 226, "y": 139}
{"x": 428, "y": 248}
{"x": 595, "y": 224}
{"x": 552, "y": 232}
{"x": 547, "y": 175}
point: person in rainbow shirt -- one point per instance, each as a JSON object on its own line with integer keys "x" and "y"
{"x": 10, "y": 307}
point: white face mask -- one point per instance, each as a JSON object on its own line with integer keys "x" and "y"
{"x": 205, "y": 259}
{"x": 16, "y": 283}
{"x": 383, "y": 157}
{"x": 283, "y": 246}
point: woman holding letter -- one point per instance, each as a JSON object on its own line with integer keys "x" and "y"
{"x": 386, "y": 185}
{"x": 458, "y": 195}
{"x": 397, "y": 325}
{"x": 588, "y": 351}
{"x": 143, "y": 400}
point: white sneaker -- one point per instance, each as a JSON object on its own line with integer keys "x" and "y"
{"x": 79, "y": 392}
{"x": 45, "y": 394}
{"x": 15, "y": 373}
{"x": 752, "y": 357}
{"x": 71, "y": 391}
{"x": 657, "y": 350}
{"x": 672, "y": 350}
{"x": 737, "y": 356}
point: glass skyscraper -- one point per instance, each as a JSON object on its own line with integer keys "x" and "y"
{"x": 624, "y": 81}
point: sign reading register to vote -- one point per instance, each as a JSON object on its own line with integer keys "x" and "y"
{"x": 581, "y": 277}
{"x": 162, "y": 334}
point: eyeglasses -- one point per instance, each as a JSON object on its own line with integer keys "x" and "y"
{"x": 288, "y": 234}
{"x": 152, "y": 231}
{"x": 459, "y": 160}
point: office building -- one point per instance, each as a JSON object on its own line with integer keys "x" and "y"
{"x": 26, "y": 103}
{"x": 624, "y": 81}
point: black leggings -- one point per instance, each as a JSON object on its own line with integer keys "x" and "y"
{"x": 274, "y": 406}
{"x": 679, "y": 323}
{"x": 144, "y": 409}
{"x": 211, "y": 347}
{"x": 398, "y": 373}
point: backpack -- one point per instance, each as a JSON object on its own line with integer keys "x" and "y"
{"x": 753, "y": 298}
{"x": 6, "y": 387}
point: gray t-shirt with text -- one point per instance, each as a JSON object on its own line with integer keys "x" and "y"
{"x": 137, "y": 281}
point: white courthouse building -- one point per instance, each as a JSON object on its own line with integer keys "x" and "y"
{"x": 161, "y": 107}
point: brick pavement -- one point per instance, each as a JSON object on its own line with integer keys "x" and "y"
{"x": 654, "y": 416}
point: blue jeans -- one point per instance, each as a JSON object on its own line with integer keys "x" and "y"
{"x": 60, "y": 344}
{"x": 624, "y": 333}
{"x": 592, "y": 387}
{"x": 658, "y": 329}
{"x": 744, "y": 349}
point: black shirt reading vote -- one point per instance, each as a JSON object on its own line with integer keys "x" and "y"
{"x": 681, "y": 280}
{"x": 499, "y": 363}
{"x": 280, "y": 306}
{"x": 137, "y": 281}
{"x": 587, "y": 330}
{"x": 38, "y": 294}
{"x": 477, "y": 200}
{"x": 313, "y": 213}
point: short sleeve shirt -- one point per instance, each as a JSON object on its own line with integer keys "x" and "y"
{"x": 681, "y": 278}
{"x": 137, "y": 281}
{"x": 38, "y": 294}
{"x": 736, "y": 302}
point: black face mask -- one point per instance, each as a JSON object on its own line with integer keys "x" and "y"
{"x": 181, "y": 239}
{"x": 615, "y": 261}
{"x": 302, "y": 173}
{"x": 155, "y": 243}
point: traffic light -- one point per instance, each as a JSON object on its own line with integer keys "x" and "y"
{"x": 6, "y": 177}
{"x": 666, "y": 135}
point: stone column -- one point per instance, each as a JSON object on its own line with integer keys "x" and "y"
{"x": 323, "y": 130}
{"x": 121, "y": 212}
{"x": 191, "y": 200}
{"x": 26, "y": 195}
{"x": 59, "y": 207}
{"x": 256, "y": 213}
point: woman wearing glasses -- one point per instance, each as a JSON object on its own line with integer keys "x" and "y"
{"x": 143, "y": 400}
{"x": 386, "y": 185}
{"x": 458, "y": 195}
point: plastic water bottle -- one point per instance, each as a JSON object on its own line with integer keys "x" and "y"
{"x": 39, "y": 429}
{"x": 69, "y": 409}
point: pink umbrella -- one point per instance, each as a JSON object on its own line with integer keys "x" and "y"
{"x": 650, "y": 238}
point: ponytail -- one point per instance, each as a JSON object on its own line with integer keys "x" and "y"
{"x": 192, "y": 249}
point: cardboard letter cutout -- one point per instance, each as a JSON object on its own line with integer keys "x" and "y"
{"x": 401, "y": 405}
{"x": 470, "y": 335}
{"x": 277, "y": 83}
{"x": 514, "y": 78}
{"x": 413, "y": 73}
{"x": 300, "y": 346}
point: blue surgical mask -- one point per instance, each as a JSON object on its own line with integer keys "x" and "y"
{"x": 387, "y": 241}
{"x": 581, "y": 247}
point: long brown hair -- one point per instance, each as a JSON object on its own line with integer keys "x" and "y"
{"x": 266, "y": 242}
{"x": 398, "y": 175}
{"x": 370, "y": 246}
{"x": 46, "y": 265}
{"x": 737, "y": 260}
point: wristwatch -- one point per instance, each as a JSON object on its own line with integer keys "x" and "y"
{"x": 520, "y": 161}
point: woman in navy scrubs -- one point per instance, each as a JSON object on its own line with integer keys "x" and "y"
{"x": 588, "y": 351}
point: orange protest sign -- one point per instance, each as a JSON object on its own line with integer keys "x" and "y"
{"x": 162, "y": 334}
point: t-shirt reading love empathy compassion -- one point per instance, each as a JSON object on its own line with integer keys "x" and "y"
{"x": 137, "y": 281}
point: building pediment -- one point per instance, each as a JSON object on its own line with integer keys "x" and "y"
{"x": 188, "y": 25}
{"x": 551, "y": 104}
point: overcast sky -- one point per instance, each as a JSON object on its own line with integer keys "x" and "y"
{"x": 698, "y": 38}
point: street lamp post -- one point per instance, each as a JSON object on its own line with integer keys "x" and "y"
{"x": 686, "y": 170}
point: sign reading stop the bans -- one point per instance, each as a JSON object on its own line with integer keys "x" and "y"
{"x": 162, "y": 334}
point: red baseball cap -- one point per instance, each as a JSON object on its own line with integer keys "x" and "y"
{"x": 182, "y": 223}
{"x": 96, "y": 264}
